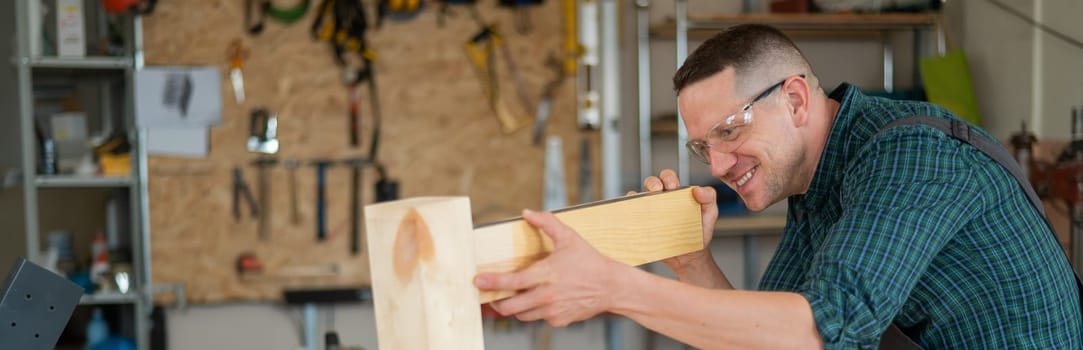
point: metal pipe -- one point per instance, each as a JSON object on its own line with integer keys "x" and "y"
{"x": 310, "y": 326}
{"x": 1036, "y": 72}
{"x": 136, "y": 45}
{"x": 682, "y": 53}
{"x": 26, "y": 126}
{"x": 644, "y": 77}
{"x": 611, "y": 112}
{"x": 889, "y": 65}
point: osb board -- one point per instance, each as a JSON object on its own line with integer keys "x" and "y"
{"x": 439, "y": 138}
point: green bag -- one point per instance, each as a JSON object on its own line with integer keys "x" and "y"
{"x": 947, "y": 83}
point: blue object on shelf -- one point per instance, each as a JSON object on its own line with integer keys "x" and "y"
{"x": 97, "y": 330}
{"x": 82, "y": 278}
{"x": 115, "y": 343}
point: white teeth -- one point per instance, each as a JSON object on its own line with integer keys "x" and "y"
{"x": 748, "y": 176}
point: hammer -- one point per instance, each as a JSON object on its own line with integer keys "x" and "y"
{"x": 321, "y": 198}
{"x": 264, "y": 164}
{"x": 357, "y": 167}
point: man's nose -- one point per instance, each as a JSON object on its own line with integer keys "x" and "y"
{"x": 721, "y": 163}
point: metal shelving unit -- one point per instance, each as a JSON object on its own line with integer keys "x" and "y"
{"x": 114, "y": 76}
{"x": 78, "y": 63}
{"x": 109, "y": 298}
{"x": 82, "y": 182}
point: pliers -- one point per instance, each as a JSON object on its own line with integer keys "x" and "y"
{"x": 241, "y": 188}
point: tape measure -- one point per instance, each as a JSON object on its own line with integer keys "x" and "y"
{"x": 288, "y": 14}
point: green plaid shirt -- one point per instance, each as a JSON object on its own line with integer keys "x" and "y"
{"x": 917, "y": 228}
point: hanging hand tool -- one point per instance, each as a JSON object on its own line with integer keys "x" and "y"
{"x": 295, "y": 212}
{"x": 357, "y": 168}
{"x": 365, "y": 75}
{"x": 572, "y": 49}
{"x": 445, "y": 10}
{"x": 355, "y": 118}
{"x": 555, "y": 196}
{"x": 263, "y": 132}
{"x": 374, "y": 102}
{"x": 386, "y": 188}
{"x": 589, "y": 110}
{"x": 586, "y": 173}
{"x": 264, "y": 164}
{"x": 541, "y": 117}
{"x": 321, "y": 198}
{"x": 237, "y": 54}
{"x": 522, "y": 24}
{"x": 520, "y": 85}
{"x": 342, "y": 23}
{"x": 254, "y": 11}
{"x": 241, "y": 191}
{"x": 481, "y": 50}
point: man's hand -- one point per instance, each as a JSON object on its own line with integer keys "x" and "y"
{"x": 667, "y": 180}
{"x": 571, "y": 284}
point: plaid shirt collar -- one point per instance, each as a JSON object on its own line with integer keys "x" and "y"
{"x": 841, "y": 144}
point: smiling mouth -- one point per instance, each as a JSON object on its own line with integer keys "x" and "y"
{"x": 748, "y": 176}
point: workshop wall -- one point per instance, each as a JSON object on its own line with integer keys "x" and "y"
{"x": 439, "y": 138}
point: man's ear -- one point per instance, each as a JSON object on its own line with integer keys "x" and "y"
{"x": 796, "y": 89}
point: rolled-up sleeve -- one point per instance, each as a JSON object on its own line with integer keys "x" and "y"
{"x": 902, "y": 202}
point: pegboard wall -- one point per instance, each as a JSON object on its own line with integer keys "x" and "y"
{"x": 439, "y": 137}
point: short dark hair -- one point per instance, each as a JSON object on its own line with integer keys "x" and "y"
{"x": 742, "y": 47}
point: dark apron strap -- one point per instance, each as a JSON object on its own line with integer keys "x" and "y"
{"x": 894, "y": 338}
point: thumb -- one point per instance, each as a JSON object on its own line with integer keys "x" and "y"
{"x": 705, "y": 195}
{"x": 549, "y": 225}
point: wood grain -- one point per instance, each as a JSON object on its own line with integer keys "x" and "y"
{"x": 634, "y": 230}
{"x": 421, "y": 278}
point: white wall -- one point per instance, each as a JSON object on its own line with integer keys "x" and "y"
{"x": 1002, "y": 52}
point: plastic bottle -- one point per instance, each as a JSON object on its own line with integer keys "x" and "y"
{"x": 97, "y": 330}
{"x": 99, "y": 268}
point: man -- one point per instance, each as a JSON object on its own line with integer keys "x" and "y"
{"x": 905, "y": 226}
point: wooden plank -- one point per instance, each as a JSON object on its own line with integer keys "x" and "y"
{"x": 422, "y": 256}
{"x": 634, "y": 230}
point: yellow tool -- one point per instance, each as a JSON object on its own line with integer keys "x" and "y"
{"x": 481, "y": 49}
{"x": 572, "y": 50}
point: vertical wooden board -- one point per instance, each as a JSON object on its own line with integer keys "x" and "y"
{"x": 422, "y": 268}
{"x": 633, "y": 230}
